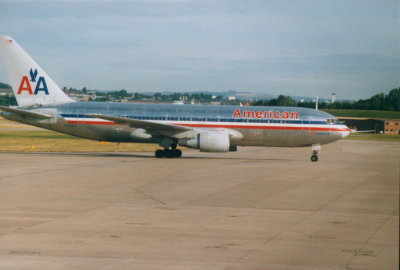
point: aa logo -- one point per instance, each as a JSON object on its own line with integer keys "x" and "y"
{"x": 26, "y": 84}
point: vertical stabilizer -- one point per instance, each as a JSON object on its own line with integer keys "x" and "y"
{"x": 31, "y": 85}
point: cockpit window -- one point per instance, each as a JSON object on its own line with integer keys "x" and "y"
{"x": 331, "y": 121}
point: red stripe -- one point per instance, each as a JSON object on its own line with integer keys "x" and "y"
{"x": 306, "y": 128}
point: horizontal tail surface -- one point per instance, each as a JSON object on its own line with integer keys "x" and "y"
{"x": 31, "y": 85}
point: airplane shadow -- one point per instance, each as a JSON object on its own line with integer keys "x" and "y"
{"x": 147, "y": 156}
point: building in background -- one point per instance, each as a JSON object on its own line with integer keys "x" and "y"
{"x": 333, "y": 99}
{"x": 378, "y": 125}
{"x": 392, "y": 127}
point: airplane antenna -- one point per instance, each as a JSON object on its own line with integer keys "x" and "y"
{"x": 316, "y": 104}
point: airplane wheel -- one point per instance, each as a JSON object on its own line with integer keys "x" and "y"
{"x": 178, "y": 153}
{"x": 160, "y": 153}
{"x": 314, "y": 158}
{"x": 169, "y": 153}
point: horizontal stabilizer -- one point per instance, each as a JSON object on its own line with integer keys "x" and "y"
{"x": 25, "y": 113}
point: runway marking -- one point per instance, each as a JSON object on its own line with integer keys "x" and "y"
{"x": 149, "y": 196}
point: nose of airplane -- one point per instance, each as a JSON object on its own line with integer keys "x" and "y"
{"x": 345, "y": 132}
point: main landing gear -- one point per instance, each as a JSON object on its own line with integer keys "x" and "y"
{"x": 316, "y": 148}
{"x": 168, "y": 153}
{"x": 170, "y": 150}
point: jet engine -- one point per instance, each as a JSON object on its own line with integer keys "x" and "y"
{"x": 210, "y": 141}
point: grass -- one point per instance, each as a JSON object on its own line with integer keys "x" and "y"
{"x": 373, "y": 137}
{"x": 40, "y": 134}
{"x": 16, "y": 137}
{"x": 50, "y": 141}
{"x": 364, "y": 113}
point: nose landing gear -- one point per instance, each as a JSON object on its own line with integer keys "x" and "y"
{"x": 314, "y": 157}
{"x": 316, "y": 148}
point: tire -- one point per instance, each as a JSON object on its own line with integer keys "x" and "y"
{"x": 178, "y": 153}
{"x": 159, "y": 153}
{"x": 314, "y": 158}
{"x": 169, "y": 153}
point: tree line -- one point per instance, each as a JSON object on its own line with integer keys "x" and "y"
{"x": 381, "y": 102}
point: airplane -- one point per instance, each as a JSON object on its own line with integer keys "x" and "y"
{"x": 209, "y": 128}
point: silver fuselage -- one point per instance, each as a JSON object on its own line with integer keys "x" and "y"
{"x": 258, "y": 126}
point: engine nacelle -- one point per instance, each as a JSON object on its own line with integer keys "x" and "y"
{"x": 210, "y": 141}
{"x": 140, "y": 133}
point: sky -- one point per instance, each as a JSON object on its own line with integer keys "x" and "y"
{"x": 299, "y": 48}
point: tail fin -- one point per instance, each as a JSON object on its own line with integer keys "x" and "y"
{"x": 31, "y": 85}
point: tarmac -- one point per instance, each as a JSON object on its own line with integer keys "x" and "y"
{"x": 258, "y": 208}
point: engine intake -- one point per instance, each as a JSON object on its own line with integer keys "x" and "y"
{"x": 210, "y": 141}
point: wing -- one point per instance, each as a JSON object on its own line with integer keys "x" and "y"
{"x": 362, "y": 131}
{"x": 152, "y": 128}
